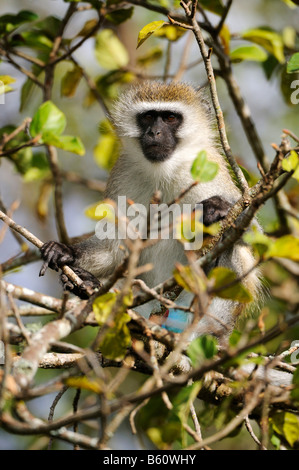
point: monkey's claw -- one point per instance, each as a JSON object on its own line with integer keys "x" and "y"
{"x": 55, "y": 255}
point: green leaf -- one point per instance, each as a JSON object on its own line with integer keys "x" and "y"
{"x": 201, "y": 348}
{"x": 202, "y": 169}
{"x": 182, "y": 401}
{"x": 148, "y": 30}
{"x": 268, "y": 39}
{"x": 120, "y": 16}
{"x": 286, "y": 424}
{"x": 68, "y": 143}
{"x": 254, "y": 53}
{"x": 37, "y": 168}
{"x": 70, "y": 82}
{"x": 109, "y": 50}
{"x": 10, "y": 22}
{"x": 215, "y": 6}
{"x": 49, "y": 26}
{"x": 293, "y": 63}
{"x": 270, "y": 65}
{"x": 33, "y": 39}
{"x": 258, "y": 240}
{"x": 223, "y": 276}
{"x": 49, "y": 122}
{"x": 47, "y": 119}
{"x": 285, "y": 247}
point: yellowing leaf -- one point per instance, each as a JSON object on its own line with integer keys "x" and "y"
{"x": 289, "y": 37}
{"x": 291, "y": 4}
{"x": 117, "y": 339}
{"x": 84, "y": 383}
{"x": 286, "y": 424}
{"x": 225, "y": 38}
{"x": 148, "y": 30}
{"x": 226, "y": 286}
{"x": 268, "y": 39}
{"x": 87, "y": 28}
{"x": 107, "y": 149}
{"x": 102, "y": 306}
{"x": 70, "y": 81}
{"x": 290, "y": 162}
{"x": 110, "y": 51}
{"x": 186, "y": 278}
{"x": 101, "y": 210}
{"x": 170, "y": 32}
{"x": 285, "y": 247}
{"x": 5, "y": 81}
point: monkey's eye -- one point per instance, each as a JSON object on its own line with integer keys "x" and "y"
{"x": 170, "y": 117}
{"x": 148, "y": 117}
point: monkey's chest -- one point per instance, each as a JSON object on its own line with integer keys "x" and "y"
{"x": 162, "y": 257}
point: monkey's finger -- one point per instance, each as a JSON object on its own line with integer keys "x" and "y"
{"x": 44, "y": 268}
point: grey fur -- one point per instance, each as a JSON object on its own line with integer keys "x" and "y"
{"x": 136, "y": 178}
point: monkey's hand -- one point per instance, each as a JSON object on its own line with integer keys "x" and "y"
{"x": 89, "y": 281}
{"x": 55, "y": 256}
{"x": 214, "y": 209}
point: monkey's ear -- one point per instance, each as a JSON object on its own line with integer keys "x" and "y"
{"x": 205, "y": 101}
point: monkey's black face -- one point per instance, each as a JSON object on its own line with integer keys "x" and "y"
{"x": 158, "y": 137}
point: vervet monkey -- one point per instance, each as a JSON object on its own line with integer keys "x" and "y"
{"x": 162, "y": 127}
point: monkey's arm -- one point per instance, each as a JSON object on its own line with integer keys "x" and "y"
{"x": 91, "y": 260}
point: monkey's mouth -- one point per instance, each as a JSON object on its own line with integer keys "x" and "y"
{"x": 156, "y": 153}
